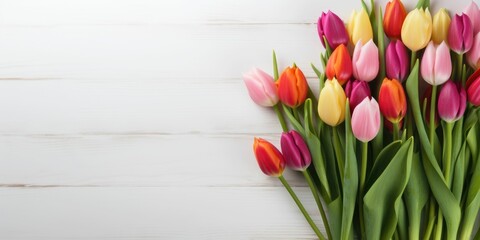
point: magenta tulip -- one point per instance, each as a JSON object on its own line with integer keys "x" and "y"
{"x": 356, "y": 91}
{"x": 333, "y": 29}
{"x": 473, "y": 56}
{"x": 452, "y": 101}
{"x": 365, "y": 61}
{"x": 396, "y": 60}
{"x": 366, "y": 120}
{"x": 460, "y": 34}
{"x": 261, "y": 87}
{"x": 436, "y": 65}
{"x": 473, "y": 12}
{"x": 295, "y": 151}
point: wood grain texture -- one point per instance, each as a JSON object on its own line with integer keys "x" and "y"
{"x": 128, "y": 119}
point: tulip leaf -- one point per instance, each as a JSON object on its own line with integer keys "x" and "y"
{"x": 445, "y": 198}
{"x": 381, "y": 46}
{"x": 350, "y": 181}
{"x": 295, "y": 123}
{"x": 382, "y": 161}
{"x": 275, "y": 66}
{"x": 383, "y": 199}
{"x": 402, "y": 224}
{"x": 335, "y": 217}
{"x": 331, "y": 164}
{"x": 459, "y": 173}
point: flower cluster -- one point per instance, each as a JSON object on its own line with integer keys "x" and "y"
{"x": 415, "y": 178}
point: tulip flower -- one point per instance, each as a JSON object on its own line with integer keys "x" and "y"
{"x": 392, "y": 100}
{"x": 365, "y": 61}
{"x": 295, "y": 151}
{"x": 261, "y": 87}
{"x": 473, "y": 88}
{"x": 460, "y": 34}
{"x": 366, "y": 120}
{"x": 331, "y": 103}
{"x": 473, "y": 56}
{"x": 339, "y": 65}
{"x": 359, "y": 27}
{"x": 436, "y": 66}
{"x": 269, "y": 159}
{"x": 356, "y": 91}
{"x": 292, "y": 87}
{"x": 473, "y": 12}
{"x": 397, "y": 62}
{"x": 393, "y": 19}
{"x": 441, "y": 23}
{"x": 452, "y": 101}
{"x": 333, "y": 29}
{"x": 417, "y": 29}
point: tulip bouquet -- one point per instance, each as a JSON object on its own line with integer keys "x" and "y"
{"x": 394, "y": 139}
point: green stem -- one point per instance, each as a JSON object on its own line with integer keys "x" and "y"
{"x": 448, "y": 153}
{"x": 313, "y": 188}
{"x": 439, "y": 229}
{"x": 396, "y": 130}
{"x": 296, "y": 115}
{"x": 281, "y": 119}
{"x": 432, "y": 117}
{"x": 338, "y": 152}
{"x": 414, "y": 228}
{"x": 431, "y": 219}
{"x": 413, "y": 59}
{"x": 363, "y": 174}
{"x": 459, "y": 67}
{"x": 301, "y": 207}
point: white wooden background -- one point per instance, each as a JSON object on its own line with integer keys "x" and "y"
{"x": 128, "y": 119}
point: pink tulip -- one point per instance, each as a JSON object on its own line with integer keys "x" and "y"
{"x": 460, "y": 34}
{"x": 452, "y": 101}
{"x": 473, "y": 56}
{"x": 356, "y": 91}
{"x": 397, "y": 62}
{"x": 333, "y": 29}
{"x": 261, "y": 87}
{"x": 295, "y": 151}
{"x": 365, "y": 61}
{"x": 473, "y": 12}
{"x": 436, "y": 65}
{"x": 366, "y": 120}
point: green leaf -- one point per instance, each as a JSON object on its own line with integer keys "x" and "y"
{"x": 382, "y": 201}
{"x": 296, "y": 125}
{"x": 335, "y": 217}
{"x": 459, "y": 173}
{"x": 472, "y": 205}
{"x": 350, "y": 181}
{"x": 382, "y": 161}
{"x": 331, "y": 164}
{"x": 275, "y": 66}
{"x": 381, "y": 48}
{"x": 445, "y": 198}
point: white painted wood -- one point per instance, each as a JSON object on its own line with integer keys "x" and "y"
{"x": 128, "y": 119}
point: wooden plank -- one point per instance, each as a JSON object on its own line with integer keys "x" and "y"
{"x": 134, "y": 160}
{"x": 153, "y": 213}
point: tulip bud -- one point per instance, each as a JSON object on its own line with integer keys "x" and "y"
{"x": 261, "y": 87}
{"x": 331, "y": 103}
{"x": 365, "y": 61}
{"x": 417, "y": 29}
{"x": 292, "y": 87}
{"x": 452, "y": 101}
{"x": 392, "y": 100}
{"x": 333, "y": 29}
{"x": 397, "y": 62}
{"x": 441, "y": 23}
{"x": 473, "y": 12}
{"x": 393, "y": 19}
{"x": 473, "y": 56}
{"x": 339, "y": 65}
{"x": 295, "y": 151}
{"x": 356, "y": 91}
{"x": 269, "y": 159}
{"x": 460, "y": 34}
{"x": 359, "y": 27}
{"x": 366, "y": 120}
{"x": 473, "y": 88}
{"x": 436, "y": 66}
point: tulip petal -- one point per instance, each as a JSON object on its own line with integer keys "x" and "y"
{"x": 448, "y": 102}
{"x": 428, "y": 64}
{"x": 443, "y": 64}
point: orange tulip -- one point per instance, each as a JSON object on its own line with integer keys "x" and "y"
{"x": 292, "y": 87}
{"x": 269, "y": 159}
{"x": 339, "y": 65}
{"x": 393, "y": 18}
{"x": 392, "y": 100}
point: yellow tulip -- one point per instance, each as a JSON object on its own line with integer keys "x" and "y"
{"x": 331, "y": 103}
{"x": 417, "y": 29}
{"x": 359, "y": 27}
{"x": 441, "y": 22}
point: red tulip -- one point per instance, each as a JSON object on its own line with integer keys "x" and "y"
{"x": 393, "y": 18}
{"x": 269, "y": 159}
{"x": 339, "y": 65}
{"x": 473, "y": 88}
{"x": 392, "y": 100}
{"x": 292, "y": 87}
